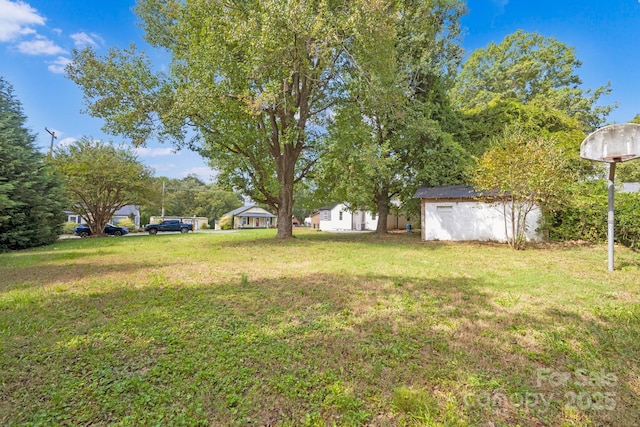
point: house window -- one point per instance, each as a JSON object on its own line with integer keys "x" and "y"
{"x": 340, "y": 216}
{"x": 245, "y": 221}
{"x": 325, "y": 215}
{"x": 74, "y": 218}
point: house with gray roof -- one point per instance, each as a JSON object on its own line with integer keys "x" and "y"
{"x": 252, "y": 216}
{"x": 129, "y": 211}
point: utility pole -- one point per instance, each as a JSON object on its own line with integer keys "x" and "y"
{"x": 162, "y": 200}
{"x": 53, "y": 136}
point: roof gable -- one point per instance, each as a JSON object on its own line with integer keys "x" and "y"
{"x": 250, "y": 210}
{"x": 329, "y": 208}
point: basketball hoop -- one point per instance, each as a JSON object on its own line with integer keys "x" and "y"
{"x": 612, "y": 144}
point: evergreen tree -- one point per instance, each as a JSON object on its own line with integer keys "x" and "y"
{"x": 31, "y": 200}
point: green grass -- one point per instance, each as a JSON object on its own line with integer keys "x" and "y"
{"x": 326, "y": 329}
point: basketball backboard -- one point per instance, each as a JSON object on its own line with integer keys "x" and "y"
{"x": 612, "y": 144}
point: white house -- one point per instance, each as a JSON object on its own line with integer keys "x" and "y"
{"x": 458, "y": 212}
{"x": 338, "y": 217}
{"x": 251, "y": 216}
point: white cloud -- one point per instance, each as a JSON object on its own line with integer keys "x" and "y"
{"x": 40, "y": 46}
{"x": 82, "y": 40}
{"x": 163, "y": 167}
{"x": 204, "y": 173}
{"x": 67, "y": 141}
{"x": 16, "y": 19}
{"x": 57, "y": 66}
{"x": 154, "y": 152}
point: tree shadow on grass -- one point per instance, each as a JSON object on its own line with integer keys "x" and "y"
{"x": 318, "y": 349}
{"x": 46, "y": 274}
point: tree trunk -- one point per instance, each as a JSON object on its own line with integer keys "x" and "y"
{"x": 285, "y": 197}
{"x": 100, "y": 222}
{"x": 382, "y": 205}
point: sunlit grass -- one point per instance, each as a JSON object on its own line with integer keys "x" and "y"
{"x": 349, "y": 329}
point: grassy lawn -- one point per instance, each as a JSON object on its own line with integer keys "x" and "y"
{"x": 327, "y": 329}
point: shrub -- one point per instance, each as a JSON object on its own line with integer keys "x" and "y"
{"x": 584, "y": 216}
{"x": 131, "y": 226}
{"x": 68, "y": 227}
{"x": 205, "y": 226}
{"x": 226, "y": 222}
{"x": 627, "y": 219}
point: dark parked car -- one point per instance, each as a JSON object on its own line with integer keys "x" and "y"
{"x": 169, "y": 225}
{"x": 83, "y": 230}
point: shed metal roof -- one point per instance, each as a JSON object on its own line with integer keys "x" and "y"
{"x": 448, "y": 192}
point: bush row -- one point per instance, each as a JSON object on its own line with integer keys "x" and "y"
{"x": 584, "y": 216}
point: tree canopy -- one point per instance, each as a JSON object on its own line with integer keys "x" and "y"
{"x": 529, "y": 81}
{"x": 528, "y": 67}
{"x": 101, "y": 178}
{"x": 31, "y": 197}
{"x": 254, "y": 80}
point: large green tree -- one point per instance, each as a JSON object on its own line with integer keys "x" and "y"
{"x": 389, "y": 137}
{"x": 254, "y": 80}
{"x": 531, "y": 80}
{"x": 31, "y": 197}
{"x": 528, "y": 67}
{"x": 101, "y": 178}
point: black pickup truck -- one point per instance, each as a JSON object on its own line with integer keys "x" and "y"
{"x": 169, "y": 225}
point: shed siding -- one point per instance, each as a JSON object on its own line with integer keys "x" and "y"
{"x": 471, "y": 220}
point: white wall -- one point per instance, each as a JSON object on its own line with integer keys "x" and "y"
{"x": 349, "y": 221}
{"x": 370, "y": 222}
{"x": 470, "y": 221}
{"x": 334, "y": 223}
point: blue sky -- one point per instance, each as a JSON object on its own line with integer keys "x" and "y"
{"x": 37, "y": 36}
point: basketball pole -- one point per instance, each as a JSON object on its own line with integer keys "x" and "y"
{"x": 612, "y": 144}
{"x": 610, "y": 217}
